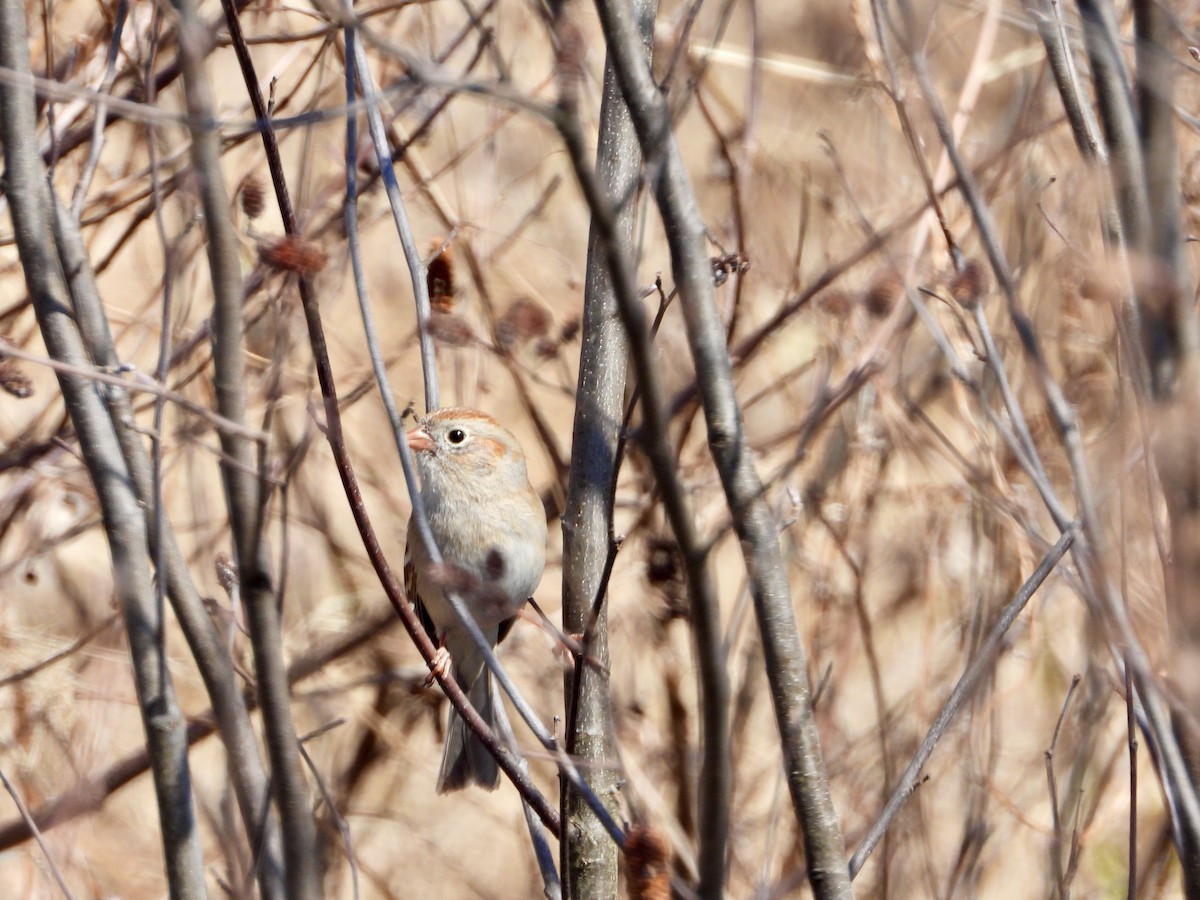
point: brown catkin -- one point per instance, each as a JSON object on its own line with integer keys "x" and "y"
{"x": 885, "y": 289}
{"x": 648, "y": 858}
{"x": 450, "y": 329}
{"x": 292, "y": 254}
{"x": 14, "y": 381}
{"x": 570, "y": 330}
{"x": 439, "y": 278}
{"x": 523, "y": 321}
{"x": 835, "y": 302}
{"x": 969, "y": 284}
{"x": 252, "y": 195}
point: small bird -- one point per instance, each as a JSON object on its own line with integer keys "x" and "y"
{"x": 490, "y": 528}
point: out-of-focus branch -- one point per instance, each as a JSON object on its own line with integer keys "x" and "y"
{"x": 124, "y": 522}
{"x": 1166, "y": 297}
{"x": 1143, "y": 168}
{"x": 242, "y": 488}
{"x": 1160, "y": 153}
{"x": 755, "y": 525}
{"x": 1105, "y": 602}
{"x": 1084, "y": 128}
{"x": 589, "y": 859}
{"x": 980, "y": 664}
{"x": 1125, "y": 165}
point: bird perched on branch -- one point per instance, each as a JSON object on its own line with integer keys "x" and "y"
{"x": 490, "y": 528}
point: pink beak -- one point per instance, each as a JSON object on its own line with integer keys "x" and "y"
{"x": 419, "y": 439}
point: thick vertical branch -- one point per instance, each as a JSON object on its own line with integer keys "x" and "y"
{"x": 124, "y": 522}
{"x": 715, "y": 776}
{"x": 1059, "y": 55}
{"x": 589, "y": 857}
{"x": 752, "y": 517}
{"x": 242, "y": 488}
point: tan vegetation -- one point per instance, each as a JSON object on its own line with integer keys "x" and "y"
{"x": 906, "y": 518}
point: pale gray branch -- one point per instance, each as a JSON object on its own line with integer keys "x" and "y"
{"x": 124, "y": 520}
{"x": 211, "y": 656}
{"x": 243, "y": 494}
{"x": 589, "y": 858}
{"x": 753, "y": 521}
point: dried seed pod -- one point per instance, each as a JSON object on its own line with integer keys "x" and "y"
{"x": 969, "y": 284}
{"x": 836, "y": 302}
{"x": 451, "y": 329}
{"x": 648, "y": 861}
{"x": 729, "y": 264}
{"x": 439, "y": 278}
{"x": 1098, "y": 287}
{"x": 14, "y": 380}
{"x": 523, "y": 321}
{"x": 662, "y": 560}
{"x": 252, "y": 195}
{"x": 570, "y": 330}
{"x": 885, "y": 290}
{"x": 227, "y": 573}
{"x": 293, "y": 254}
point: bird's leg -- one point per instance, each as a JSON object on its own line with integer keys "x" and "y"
{"x": 441, "y": 662}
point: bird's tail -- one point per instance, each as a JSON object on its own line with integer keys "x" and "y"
{"x": 465, "y": 761}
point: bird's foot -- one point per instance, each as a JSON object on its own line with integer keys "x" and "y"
{"x": 439, "y": 666}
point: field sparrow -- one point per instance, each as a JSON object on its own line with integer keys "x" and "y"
{"x": 490, "y": 528}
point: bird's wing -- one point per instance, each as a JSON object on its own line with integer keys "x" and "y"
{"x": 410, "y": 588}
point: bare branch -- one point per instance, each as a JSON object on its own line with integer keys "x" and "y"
{"x": 125, "y": 526}
{"x": 244, "y": 494}
{"x": 589, "y": 858}
{"x": 784, "y": 656}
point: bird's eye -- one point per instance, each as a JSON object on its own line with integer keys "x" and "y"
{"x": 456, "y": 435}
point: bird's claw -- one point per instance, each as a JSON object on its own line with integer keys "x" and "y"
{"x": 439, "y": 666}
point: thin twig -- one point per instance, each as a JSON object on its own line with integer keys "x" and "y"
{"x": 1056, "y": 842}
{"x": 137, "y": 385}
{"x": 37, "y": 835}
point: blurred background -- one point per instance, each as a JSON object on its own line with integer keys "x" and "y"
{"x": 905, "y": 517}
